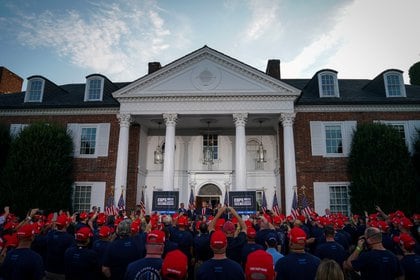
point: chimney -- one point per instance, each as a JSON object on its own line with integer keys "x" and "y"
{"x": 154, "y": 66}
{"x": 273, "y": 68}
{"x": 9, "y": 81}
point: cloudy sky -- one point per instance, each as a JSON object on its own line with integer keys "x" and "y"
{"x": 67, "y": 40}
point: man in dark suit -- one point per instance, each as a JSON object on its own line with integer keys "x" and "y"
{"x": 182, "y": 209}
{"x": 204, "y": 210}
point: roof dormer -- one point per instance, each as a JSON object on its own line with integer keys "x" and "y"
{"x": 328, "y": 83}
{"x": 35, "y": 89}
{"x": 394, "y": 83}
{"x": 94, "y": 89}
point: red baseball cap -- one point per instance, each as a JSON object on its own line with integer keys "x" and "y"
{"x": 183, "y": 221}
{"x": 175, "y": 265}
{"x": 104, "y": 231}
{"x": 26, "y": 231}
{"x": 382, "y": 225}
{"x": 62, "y": 220}
{"x": 251, "y": 232}
{"x": 218, "y": 240}
{"x": 259, "y": 265}
{"x": 407, "y": 241}
{"x": 229, "y": 227}
{"x": 10, "y": 240}
{"x": 406, "y": 223}
{"x": 155, "y": 237}
{"x": 297, "y": 235}
{"x": 83, "y": 215}
{"x": 83, "y": 234}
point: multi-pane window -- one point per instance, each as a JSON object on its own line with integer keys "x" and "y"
{"x": 94, "y": 89}
{"x": 35, "y": 91}
{"x": 88, "y": 141}
{"x": 82, "y": 198}
{"x": 327, "y": 85}
{"x": 400, "y": 129}
{"x": 333, "y": 139}
{"x": 339, "y": 200}
{"x": 393, "y": 85}
{"x": 210, "y": 141}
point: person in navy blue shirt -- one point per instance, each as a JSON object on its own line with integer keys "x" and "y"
{"x": 331, "y": 249}
{"x": 58, "y": 241}
{"x": 236, "y": 240}
{"x": 410, "y": 261}
{"x": 120, "y": 252}
{"x": 80, "y": 261}
{"x": 297, "y": 264}
{"x": 220, "y": 267}
{"x": 376, "y": 263}
{"x": 148, "y": 267}
{"x": 182, "y": 209}
{"x": 250, "y": 246}
{"x": 23, "y": 263}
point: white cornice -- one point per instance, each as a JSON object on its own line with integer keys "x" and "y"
{"x": 206, "y": 98}
{"x": 59, "y": 112}
{"x": 358, "y": 108}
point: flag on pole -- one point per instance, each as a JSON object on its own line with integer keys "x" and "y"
{"x": 306, "y": 209}
{"x": 110, "y": 208}
{"x": 226, "y": 201}
{"x": 142, "y": 205}
{"x": 191, "y": 202}
{"x": 275, "y": 208}
{"x": 264, "y": 203}
{"x": 121, "y": 202}
{"x": 295, "y": 210}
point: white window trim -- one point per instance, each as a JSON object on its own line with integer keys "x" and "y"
{"x": 28, "y": 87}
{"x": 401, "y": 79}
{"x": 16, "y": 129}
{"x": 336, "y": 88}
{"x": 324, "y": 125}
{"x": 410, "y": 130}
{"x": 322, "y": 195}
{"x": 102, "y": 138}
{"x": 97, "y": 194}
{"x": 88, "y": 86}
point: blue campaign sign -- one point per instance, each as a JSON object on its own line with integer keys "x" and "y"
{"x": 244, "y": 202}
{"x": 165, "y": 202}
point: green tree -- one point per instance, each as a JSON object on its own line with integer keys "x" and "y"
{"x": 416, "y": 164}
{"x": 381, "y": 170}
{"x": 414, "y": 74}
{"x": 4, "y": 144}
{"x": 38, "y": 173}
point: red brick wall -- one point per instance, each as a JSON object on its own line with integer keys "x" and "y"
{"x": 94, "y": 169}
{"x": 9, "y": 81}
{"x": 312, "y": 169}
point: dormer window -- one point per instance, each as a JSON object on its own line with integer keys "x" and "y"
{"x": 35, "y": 90}
{"x": 94, "y": 88}
{"x": 394, "y": 84}
{"x": 328, "y": 84}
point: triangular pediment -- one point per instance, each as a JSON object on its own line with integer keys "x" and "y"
{"x": 206, "y": 72}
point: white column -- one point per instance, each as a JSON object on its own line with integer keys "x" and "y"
{"x": 240, "y": 150}
{"x": 289, "y": 159}
{"x": 122, "y": 156}
{"x": 169, "y": 159}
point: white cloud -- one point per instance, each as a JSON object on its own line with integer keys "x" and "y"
{"x": 113, "y": 39}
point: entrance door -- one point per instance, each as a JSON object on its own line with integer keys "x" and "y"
{"x": 210, "y": 193}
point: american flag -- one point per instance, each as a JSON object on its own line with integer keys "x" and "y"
{"x": 264, "y": 203}
{"x": 226, "y": 201}
{"x": 110, "y": 208}
{"x": 295, "y": 209}
{"x": 142, "y": 205}
{"x": 191, "y": 202}
{"x": 275, "y": 208}
{"x": 121, "y": 202}
{"x": 306, "y": 209}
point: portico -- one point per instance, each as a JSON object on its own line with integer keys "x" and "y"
{"x": 207, "y": 85}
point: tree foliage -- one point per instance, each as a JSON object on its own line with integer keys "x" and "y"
{"x": 38, "y": 172}
{"x": 4, "y": 144}
{"x": 416, "y": 164}
{"x": 381, "y": 170}
{"x": 414, "y": 74}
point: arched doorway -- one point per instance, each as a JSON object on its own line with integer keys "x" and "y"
{"x": 210, "y": 193}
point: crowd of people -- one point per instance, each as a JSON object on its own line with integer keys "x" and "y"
{"x": 205, "y": 244}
